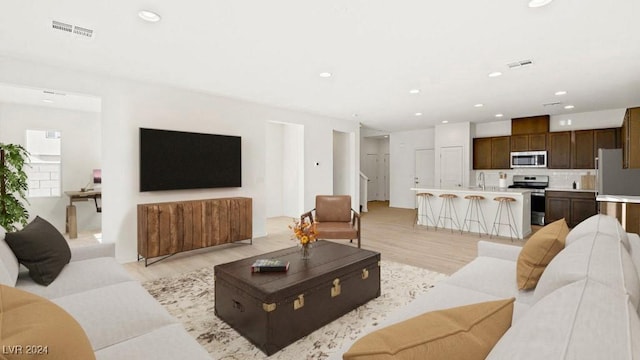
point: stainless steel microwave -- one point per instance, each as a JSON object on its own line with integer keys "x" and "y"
{"x": 536, "y": 159}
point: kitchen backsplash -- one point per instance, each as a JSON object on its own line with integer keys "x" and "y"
{"x": 558, "y": 178}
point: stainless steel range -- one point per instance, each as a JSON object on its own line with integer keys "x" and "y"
{"x": 537, "y": 184}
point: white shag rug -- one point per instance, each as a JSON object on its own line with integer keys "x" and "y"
{"x": 190, "y": 298}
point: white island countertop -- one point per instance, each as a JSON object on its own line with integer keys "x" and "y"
{"x": 521, "y": 209}
{"x": 619, "y": 198}
{"x": 487, "y": 190}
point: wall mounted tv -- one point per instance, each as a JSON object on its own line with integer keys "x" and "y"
{"x": 173, "y": 160}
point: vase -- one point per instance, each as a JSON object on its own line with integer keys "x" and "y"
{"x": 305, "y": 252}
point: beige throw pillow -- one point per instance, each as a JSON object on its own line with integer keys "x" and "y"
{"x": 35, "y": 328}
{"x": 466, "y": 332}
{"x": 538, "y": 251}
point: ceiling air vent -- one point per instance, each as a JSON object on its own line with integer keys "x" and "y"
{"x": 83, "y": 31}
{"x": 62, "y": 26}
{"x": 519, "y": 64}
{"x": 49, "y": 92}
{"x": 552, "y": 104}
{"x": 72, "y": 29}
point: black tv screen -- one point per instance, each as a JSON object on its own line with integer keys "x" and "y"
{"x": 173, "y": 160}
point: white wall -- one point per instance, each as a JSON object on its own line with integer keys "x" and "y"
{"x": 292, "y": 173}
{"x": 402, "y": 147}
{"x": 341, "y": 165}
{"x": 80, "y": 153}
{"x": 579, "y": 121}
{"x": 128, "y": 105}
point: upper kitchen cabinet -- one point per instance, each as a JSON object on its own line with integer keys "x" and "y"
{"x": 530, "y": 125}
{"x": 559, "y": 150}
{"x": 491, "y": 153}
{"x": 532, "y": 142}
{"x": 631, "y": 138}
{"x": 529, "y": 133}
{"x": 582, "y": 156}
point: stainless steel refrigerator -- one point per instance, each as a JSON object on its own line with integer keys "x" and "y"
{"x": 611, "y": 178}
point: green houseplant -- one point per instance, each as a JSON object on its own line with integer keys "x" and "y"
{"x": 13, "y": 186}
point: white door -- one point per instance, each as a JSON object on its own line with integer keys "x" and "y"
{"x": 386, "y": 178}
{"x": 425, "y": 168}
{"x": 451, "y": 167}
{"x": 371, "y": 170}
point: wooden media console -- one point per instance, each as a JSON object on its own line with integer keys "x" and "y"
{"x": 165, "y": 229}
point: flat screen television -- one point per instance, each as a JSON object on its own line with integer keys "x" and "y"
{"x": 174, "y": 160}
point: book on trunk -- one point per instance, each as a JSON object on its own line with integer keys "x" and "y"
{"x": 269, "y": 265}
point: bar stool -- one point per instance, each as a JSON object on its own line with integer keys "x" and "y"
{"x": 422, "y": 214}
{"x": 474, "y": 206}
{"x": 505, "y": 202}
{"x": 449, "y": 212}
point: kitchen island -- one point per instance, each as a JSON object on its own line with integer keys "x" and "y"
{"x": 521, "y": 207}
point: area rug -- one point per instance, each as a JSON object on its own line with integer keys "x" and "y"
{"x": 190, "y": 298}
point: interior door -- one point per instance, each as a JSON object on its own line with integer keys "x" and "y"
{"x": 451, "y": 167}
{"x": 371, "y": 170}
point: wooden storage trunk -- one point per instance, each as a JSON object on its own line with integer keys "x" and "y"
{"x": 272, "y": 310}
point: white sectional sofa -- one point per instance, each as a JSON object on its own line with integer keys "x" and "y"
{"x": 119, "y": 317}
{"x": 585, "y": 305}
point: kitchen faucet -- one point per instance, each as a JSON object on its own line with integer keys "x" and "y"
{"x": 481, "y": 180}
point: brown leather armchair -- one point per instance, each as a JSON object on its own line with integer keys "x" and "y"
{"x": 334, "y": 218}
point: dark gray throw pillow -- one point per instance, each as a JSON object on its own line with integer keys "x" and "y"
{"x": 41, "y": 248}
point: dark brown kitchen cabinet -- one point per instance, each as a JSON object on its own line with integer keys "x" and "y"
{"x": 491, "y": 153}
{"x": 559, "y": 150}
{"x": 482, "y": 153}
{"x": 631, "y": 138}
{"x": 606, "y": 139}
{"x": 530, "y": 125}
{"x": 500, "y": 152}
{"x": 573, "y": 206}
{"x": 582, "y": 153}
{"x": 532, "y": 142}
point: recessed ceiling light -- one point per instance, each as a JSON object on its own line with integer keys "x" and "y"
{"x": 562, "y": 92}
{"x": 386, "y": 136}
{"x": 414, "y": 91}
{"x": 325, "y": 74}
{"x": 478, "y": 105}
{"x": 569, "y": 107}
{"x": 445, "y": 121}
{"x": 499, "y": 115}
{"x": 148, "y": 15}
{"x": 539, "y": 3}
{"x": 418, "y": 114}
{"x": 48, "y": 101}
{"x": 495, "y": 74}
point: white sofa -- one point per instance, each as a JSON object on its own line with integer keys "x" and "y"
{"x": 120, "y": 318}
{"x": 584, "y": 307}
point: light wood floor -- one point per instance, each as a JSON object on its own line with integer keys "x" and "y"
{"x": 389, "y": 231}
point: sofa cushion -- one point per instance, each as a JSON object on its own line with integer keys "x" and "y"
{"x": 538, "y": 251}
{"x": 9, "y": 266}
{"x": 169, "y": 342}
{"x": 599, "y": 223}
{"x": 41, "y": 248}
{"x": 596, "y": 256}
{"x": 466, "y": 332}
{"x": 584, "y": 320}
{"x": 116, "y": 313}
{"x": 34, "y": 327}
{"x": 78, "y": 276}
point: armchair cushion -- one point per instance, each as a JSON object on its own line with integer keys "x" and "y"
{"x": 333, "y": 208}
{"x": 336, "y": 230}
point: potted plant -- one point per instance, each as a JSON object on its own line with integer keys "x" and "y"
{"x": 13, "y": 186}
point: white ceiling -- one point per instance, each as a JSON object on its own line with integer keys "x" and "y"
{"x": 271, "y": 52}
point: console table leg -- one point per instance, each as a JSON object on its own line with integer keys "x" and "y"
{"x": 72, "y": 222}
